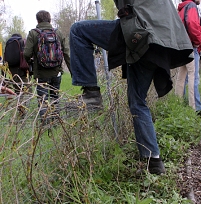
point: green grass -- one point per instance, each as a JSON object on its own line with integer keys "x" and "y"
{"x": 177, "y": 126}
{"x": 79, "y": 162}
{"x": 66, "y": 85}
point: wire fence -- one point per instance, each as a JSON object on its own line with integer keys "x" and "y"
{"x": 40, "y": 156}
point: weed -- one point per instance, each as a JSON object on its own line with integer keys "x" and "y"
{"x": 91, "y": 156}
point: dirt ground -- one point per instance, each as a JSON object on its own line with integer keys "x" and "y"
{"x": 190, "y": 176}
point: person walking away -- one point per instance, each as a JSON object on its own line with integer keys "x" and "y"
{"x": 49, "y": 70}
{"x": 148, "y": 51}
{"x": 189, "y": 15}
{"x": 14, "y": 45}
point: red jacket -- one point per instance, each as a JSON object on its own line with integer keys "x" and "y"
{"x": 188, "y": 13}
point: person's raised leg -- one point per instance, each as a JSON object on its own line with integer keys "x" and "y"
{"x": 83, "y": 36}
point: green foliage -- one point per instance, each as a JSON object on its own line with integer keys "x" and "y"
{"x": 78, "y": 161}
{"x": 63, "y": 22}
{"x": 109, "y": 11}
{"x": 66, "y": 85}
{"x": 109, "y": 168}
{"x": 2, "y": 26}
{"x": 177, "y": 127}
{"x": 16, "y": 26}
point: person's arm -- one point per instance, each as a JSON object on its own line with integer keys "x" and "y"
{"x": 193, "y": 27}
{"x": 66, "y": 54}
{"x": 29, "y": 46}
{"x": 65, "y": 49}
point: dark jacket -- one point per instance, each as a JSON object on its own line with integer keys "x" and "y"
{"x": 188, "y": 13}
{"x": 30, "y": 51}
{"x": 166, "y": 42}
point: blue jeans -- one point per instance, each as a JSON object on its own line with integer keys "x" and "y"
{"x": 197, "y": 80}
{"x": 83, "y": 35}
{"x": 139, "y": 78}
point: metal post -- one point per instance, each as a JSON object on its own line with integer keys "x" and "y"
{"x": 98, "y": 10}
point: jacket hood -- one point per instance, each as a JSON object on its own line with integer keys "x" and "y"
{"x": 181, "y": 5}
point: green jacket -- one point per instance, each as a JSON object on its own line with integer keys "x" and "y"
{"x": 30, "y": 51}
{"x": 160, "y": 24}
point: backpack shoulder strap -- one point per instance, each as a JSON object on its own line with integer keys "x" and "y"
{"x": 22, "y": 44}
{"x": 40, "y": 30}
{"x": 37, "y": 30}
{"x": 55, "y": 30}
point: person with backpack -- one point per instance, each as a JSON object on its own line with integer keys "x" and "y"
{"x": 189, "y": 15}
{"x": 13, "y": 55}
{"x": 47, "y": 47}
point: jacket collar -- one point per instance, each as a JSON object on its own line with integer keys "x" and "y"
{"x": 44, "y": 25}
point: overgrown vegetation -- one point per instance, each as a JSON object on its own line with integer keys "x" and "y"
{"x": 88, "y": 156}
{"x": 178, "y": 127}
{"x": 78, "y": 158}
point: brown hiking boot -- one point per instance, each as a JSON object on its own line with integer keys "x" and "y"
{"x": 91, "y": 96}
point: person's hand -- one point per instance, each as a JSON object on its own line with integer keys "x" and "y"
{"x": 5, "y": 90}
